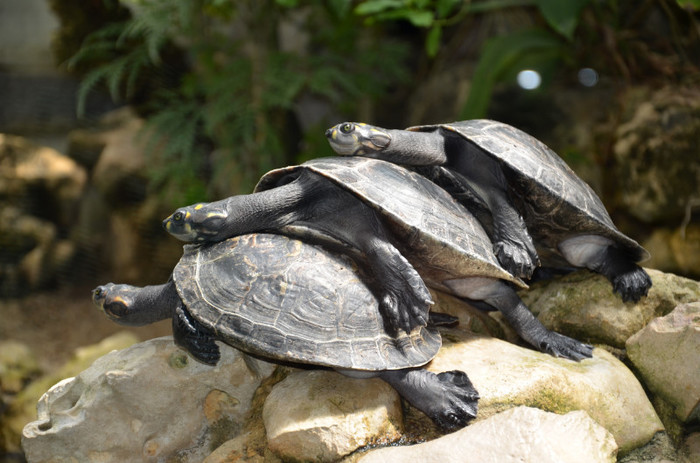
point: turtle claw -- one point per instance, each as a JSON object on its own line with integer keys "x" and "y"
{"x": 406, "y": 300}
{"x": 462, "y": 399}
{"x": 516, "y": 259}
{"x": 447, "y": 398}
{"x": 562, "y": 346}
{"x": 632, "y": 285}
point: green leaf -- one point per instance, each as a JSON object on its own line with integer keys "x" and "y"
{"x": 689, "y": 4}
{"x": 287, "y": 3}
{"x": 444, "y": 7}
{"x": 371, "y": 7}
{"x": 432, "y": 41}
{"x": 340, "y": 7}
{"x": 497, "y": 59}
{"x": 562, "y": 15}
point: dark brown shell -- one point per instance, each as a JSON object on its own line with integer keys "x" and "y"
{"x": 559, "y": 204}
{"x": 440, "y": 238}
{"x": 282, "y": 299}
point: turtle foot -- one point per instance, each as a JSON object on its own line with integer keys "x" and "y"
{"x": 448, "y": 398}
{"x": 559, "y": 345}
{"x": 517, "y": 259}
{"x": 190, "y": 336}
{"x": 406, "y": 301}
{"x": 632, "y": 285}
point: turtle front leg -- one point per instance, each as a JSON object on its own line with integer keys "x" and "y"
{"x": 405, "y": 299}
{"x": 447, "y": 398}
{"x": 512, "y": 243}
{"x": 192, "y": 337}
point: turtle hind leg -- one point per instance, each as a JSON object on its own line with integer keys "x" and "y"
{"x": 192, "y": 337}
{"x": 600, "y": 255}
{"x": 448, "y": 398}
{"x": 628, "y": 279}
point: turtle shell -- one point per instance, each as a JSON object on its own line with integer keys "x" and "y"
{"x": 558, "y": 204}
{"x": 286, "y": 300}
{"x": 440, "y": 238}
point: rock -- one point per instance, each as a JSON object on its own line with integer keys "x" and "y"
{"x": 17, "y": 366}
{"x": 155, "y": 401}
{"x": 40, "y": 180}
{"x": 518, "y": 435}
{"x": 669, "y": 347}
{"x": 582, "y": 305}
{"x": 507, "y": 375}
{"x": 40, "y": 190}
{"x": 22, "y": 409}
{"x": 323, "y": 415}
{"x": 658, "y": 168}
{"x": 675, "y": 250}
{"x": 659, "y": 450}
{"x": 691, "y": 448}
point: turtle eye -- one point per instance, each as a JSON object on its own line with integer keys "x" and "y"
{"x": 347, "y": 127}
{"x": 178, "y": 216}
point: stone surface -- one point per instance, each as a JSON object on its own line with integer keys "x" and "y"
{"x": 583, "y": 305}
{"x": 17, "y": 366}
{"x": 675, "y": 250}
{"x": 155, "y": 402}
{"x": 22, "y": 409}
{"x": 667, "y": 354}
{"x": 507, "y": 375}
{"x": 518, "y": 435}
{"x": 657, "y": 164}
{"x": 323, "y": 415}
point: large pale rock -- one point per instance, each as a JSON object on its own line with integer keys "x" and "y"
{"x": 507, "y": 375}
{"x": 667, "y": 354}
{"x": 150, "y": 402}
{"x": 22, "y": 408}
{"x": 583, "y": 305}
{"x": 675, "y": 250}
{"x": 518, "y": 435}
{"x": 323, "y": 415}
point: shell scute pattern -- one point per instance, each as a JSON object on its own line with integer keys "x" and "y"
{"x": 558, "y": 203}
{"x": 433, "y": 229}
{"x": 274, "y": 296}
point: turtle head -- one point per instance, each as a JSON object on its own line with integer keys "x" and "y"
{"x": 199, "y": 222}
{"x": 130, "y": 305}
{"x": 356, "y": 138}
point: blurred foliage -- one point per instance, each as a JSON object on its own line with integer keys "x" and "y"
{"x": 240, "y": 82}
{"x": 220, "y": 82}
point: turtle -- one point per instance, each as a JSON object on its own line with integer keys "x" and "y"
{"x": 283, "y": 300}
{"x": 431, "y": 232}
{"x": 536, "y": 209}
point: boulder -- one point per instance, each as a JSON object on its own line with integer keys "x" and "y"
{"x": 669, "y": 347}
{"x": 507, "y": 376}
{"x": 518, "y": 435}
{"x": 18, "y": 365}
{"x": 149, "y": 402}
{"x": 582, "y": 305}
{"x": 323, "y": 415}
{"x": 675, "y": 250}
{"x": 657, "y": 164}
{"x": 23, "y": 407}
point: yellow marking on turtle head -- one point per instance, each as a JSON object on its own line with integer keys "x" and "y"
{"x": 199, "y": 206}
{"x": 216, "y": 214}
{"x": 120, "y": 299}
{"x": 187, "y": 216}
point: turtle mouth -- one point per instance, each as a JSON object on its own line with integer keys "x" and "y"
{"x": 179, "y": 229}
